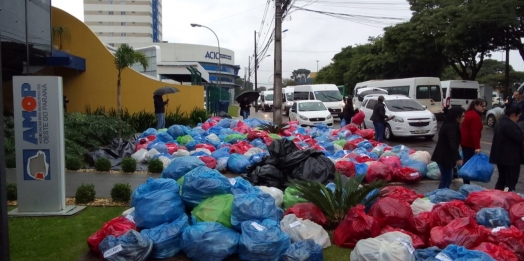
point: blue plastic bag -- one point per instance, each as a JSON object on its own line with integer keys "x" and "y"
{"x": 342, "y": 123}
{"x": 253, "y": 207}
{"x": 209, "y": 241}
{"x": 153, "y": 184}
{"x": 400, "y": 148}
{"x": 148, "y": 132}
{"x": 238, "y": 163}
{"x": 371, "y": 194}
{"x": 306, "y": 250}
{"x": 419, "y": 166}
{"x": 191, "y": 145}
{"x": 459, "y": 253}
{"x": 427, "y": 254}
{"x": 176, "y": 131}
{"x": 444, "y": 195}
{"x": 468, "y": 188}
{"x": 164, "y": 137}
{"x": 224, "y": 123}
{"x": 166, "y": 238}
{"x": 158, "y": 207}
{"x": 159, "y": 146}
{"x": 162, "y": 155}
{"x": 328, "y": 145}
{"x": 222, "y": 164}
{"x": 242, "y": 186}
{"x": 256, "y": 158}
{"x": 354, "y": 137}
{"x": 221, "y": 153}
{"x": 433, "y": 171}
{"x": 134, "y": 247}
{"x": 477, "y": 168}
{"x": 180, "y": 166}
{"x": 361, "y": 169}
{"x": 202, "y": 183}
{"x": 262, "y": 241}
{"x": 493, "y": 217}
{"x": 365, "y": 145}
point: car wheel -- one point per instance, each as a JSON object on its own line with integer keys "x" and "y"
{"x": 429, "y": 137}
{"x": 491, "y": 121}
{"x": 388, "y": 134}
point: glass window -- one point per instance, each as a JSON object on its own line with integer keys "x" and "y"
{"x": 123, "y": 13}
{"x": 289, "y": 96}
{"x": 444, "y": 92}
{"x": 328, "y": 96}
{"x": 301, "y": 96}
{"x": 404, "y": 105}
{"x": 269, "y": 97}
{"x": 403, "y": 90}
{"x": 294, "y": 107}
{"x": 464, "y": 93}
{"x": 110, "y": 12}
{"x": 311, "y": 106}
{"x": 311, "y": 96}
{"x": 371, "y": 104}
{"x": 429, "y": 92}
{"x": 123, "y": 23}
{"x": 434, "y": 93}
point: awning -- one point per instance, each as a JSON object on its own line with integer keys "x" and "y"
{"x": 63, "y": 59}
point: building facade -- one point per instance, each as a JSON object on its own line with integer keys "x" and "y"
{"x": 124, "y": 21}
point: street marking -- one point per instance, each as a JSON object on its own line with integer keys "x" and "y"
{"x": 489, "y": 143}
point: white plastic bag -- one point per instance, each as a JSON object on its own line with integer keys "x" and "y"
{"x": 140, "y": 155}
{"x": 129, "y": 214}
{"x": 206, "y": 151}
{"x": 337, "y": 147}
{"x": 213, "y": 137}
{"x": 422, "y": 156}
{"x": 181, "y": 153}
{"x": 277, "y": 194}
{"x": 253, "y": 151}
{"x": 391, "y": 246}
{"x": 299, "y": 230}
{"x": 421, "y": 205}
{"x": 433, "y": 171}
{"x": 165, "y": 161}
{"x": 222, "y": 164}
{"x": 150, "y": 154}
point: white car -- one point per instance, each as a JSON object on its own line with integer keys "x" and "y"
{"x": 310, "y": 113}
{"x": 493, "y": 115}
{"x": 411, "y": 119}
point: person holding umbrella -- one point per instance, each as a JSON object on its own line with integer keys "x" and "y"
{"x": 160, "y": 109}
{"x": 244, "y": 100}
{"x": 244, "y": 107}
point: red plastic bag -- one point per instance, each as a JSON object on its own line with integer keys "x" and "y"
{"x": 318, "y": 147}
{"x": 462, "y": 232}
{"x": 206, "y": 146}
{"x": 393, "y": 212}
{"x": 400, "y": 193}
{"x": 207, "y": 125}
{"x": 210, "y": 161}
{"x": 308, "y": 211}
{"x": 240, "y": 147}
{"x": 363, "y": 158}
{"x": 417, "y": 241}
{"x": 516, "y": 212}
{"x": 492, "y": 198}
{"x": 358, "y": 118}
{"x": 242, "y": 128}
{"x": 293, "y": 123}
{"x": 171, "y": 147}
{"x": 254, "y": 134}
{"x": 406, "y": 175}
{"x": 392, "y": 161}
{"x": 511, "y": 238}
{"x": 421, "y": 225}
{"x": 497, "y": 252}
{"x": 286, "y": 133}
{"x": 141, "y": 145}
{"x": 115, "y": 227}
{"x": 350, "y": 127}
{"x": 367, "y": 134}
{"x": 151, "y": 137}
{"x": 346, "y": 167}
{"x": 356, "y": 226}
{"x": 443, "y": 213}
{"x": 378, "y": 171}
{"x": 353, "y": 144}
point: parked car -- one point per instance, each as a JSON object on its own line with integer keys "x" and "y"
{"x": 310, "y": 113}
{"x": 497, "y": 100}
{"x": 493, "y": 115}
{"x": 411, "y": 118}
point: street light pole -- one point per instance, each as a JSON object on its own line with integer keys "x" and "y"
{"x": 219, "y": 54}
{"x": 256, "y": 69}
{"x": 317, "y": 66}
{"x": 277, "y": 85}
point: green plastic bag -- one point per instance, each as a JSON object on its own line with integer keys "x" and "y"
{"x": 180, "y": 182}
{"x": 274, "y": 136}
{"x": 291, "y": 197}
{"x": 215, "y": 209}
{"x": 235, "y": 137}
{"x": 388, "y": 153}
{"x": 161, "y": 130}
{"x": 183, "y": 140}
{"x": 340, "y": 143}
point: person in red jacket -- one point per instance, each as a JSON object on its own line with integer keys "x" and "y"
{"x": 471, "y": 130}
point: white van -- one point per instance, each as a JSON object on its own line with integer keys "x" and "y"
{"x": 267, "y": 100}
{"x": 287, "y": 99}
{"x": 426, "y": 90}
{"x": 459, "y": 93}
{"x": 329, "y": 94}
{"x": 357, "y": 101}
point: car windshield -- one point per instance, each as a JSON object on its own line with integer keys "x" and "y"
{"x": 328, "y": 96}
{"x": 404, "y": 105}
{"x": 269, "y": 97}
{"x": 311, "y": 106}
{"x": 289, "y": 96}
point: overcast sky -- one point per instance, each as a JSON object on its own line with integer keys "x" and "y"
{"x": 309, "y": 37}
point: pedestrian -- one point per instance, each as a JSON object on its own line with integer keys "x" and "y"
{"x": 65, "y": 101}
{"x": 244, "y": 108}
{"x": 507, "y": 149}
{"x": 446, "y": 153}
{"x": 349, "y": 111}
{"x": 471, "y": 131}
{"x": 379, "y": 118}
{"x": 518, "y": 101}
{"x": 160, "y": 109}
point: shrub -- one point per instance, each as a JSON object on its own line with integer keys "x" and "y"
{"x": 177, "y": 117}
{"x": 121, "y": 192}
{"x": 103, "y": 164}
{"x": 73, "y": 163}
{"x": 10, "y": 161}
{"x": 274, "y": 128}
{"x": 198, "y": 115}
{"x": 12, "y": 192}
{"x": 129, "y": 165}
{"x": 155, "y": 166}
{"x": 85, "y": 194}
{"x": 140, "y": 121}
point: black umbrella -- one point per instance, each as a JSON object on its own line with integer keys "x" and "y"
{"x": 165, "y": 90}
{"x": 252, "y": 96}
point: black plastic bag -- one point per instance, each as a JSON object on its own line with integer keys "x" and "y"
{"x": 317, "y": 167}
{"x": 266, "y": 175}
{"x": 280, "y": 148}
{"x": 124, "y": 148}
{"x": 113, "y": 156}
{"x": 293, "y": 160}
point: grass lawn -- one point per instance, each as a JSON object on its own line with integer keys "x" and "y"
{"x": 64, "y": 238}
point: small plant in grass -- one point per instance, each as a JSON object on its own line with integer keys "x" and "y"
{"x": 155, "y": 166}
{"x": 12, "y": 192}
{"x": 73, "y": 163}
{"x": 103, "y": 164}
{"x": 129, "y": 165}
{"x": 85, "y": 193}
{"x": 121, "y": 192}
{"x": 335, "y": 205}
{"x": 10, "y": 161}
{"x": 274, "y": 128}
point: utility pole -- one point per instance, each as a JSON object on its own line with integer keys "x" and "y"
{"x": 245, "y": 85}
{"x": 317, "y": 66}
{"x": 506, "y": 70}
{"x": 277, "y": 84}
{"x": 256, "y": 69}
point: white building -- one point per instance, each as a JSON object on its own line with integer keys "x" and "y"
{"x": 124, "y": 21}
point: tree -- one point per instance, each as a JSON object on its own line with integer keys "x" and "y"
{"x": 289, "y": 82}
{"x": 248, "y": 86}
{"x": 300, "y": 74}
{"x": 62, "y": 33}
{"x": 126, "y": 56}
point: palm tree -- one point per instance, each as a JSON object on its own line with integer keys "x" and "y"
{"x": 62, "y": 32}
{"x": 125, "y": 57}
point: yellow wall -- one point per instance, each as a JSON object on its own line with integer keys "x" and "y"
{"x": 96, "y": 86}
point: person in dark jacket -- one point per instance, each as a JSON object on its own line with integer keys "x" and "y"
{"x": 471, "y": 130}
{"x": 244, "y": 108}
{"x": 160, "y": 109}
{"x": 446, "y": 153}
{"x": 379, "y": 119}
{"x": 66, "y": 101}
{"x": 349, "y": 111}
{"x": 507, "y": 149}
